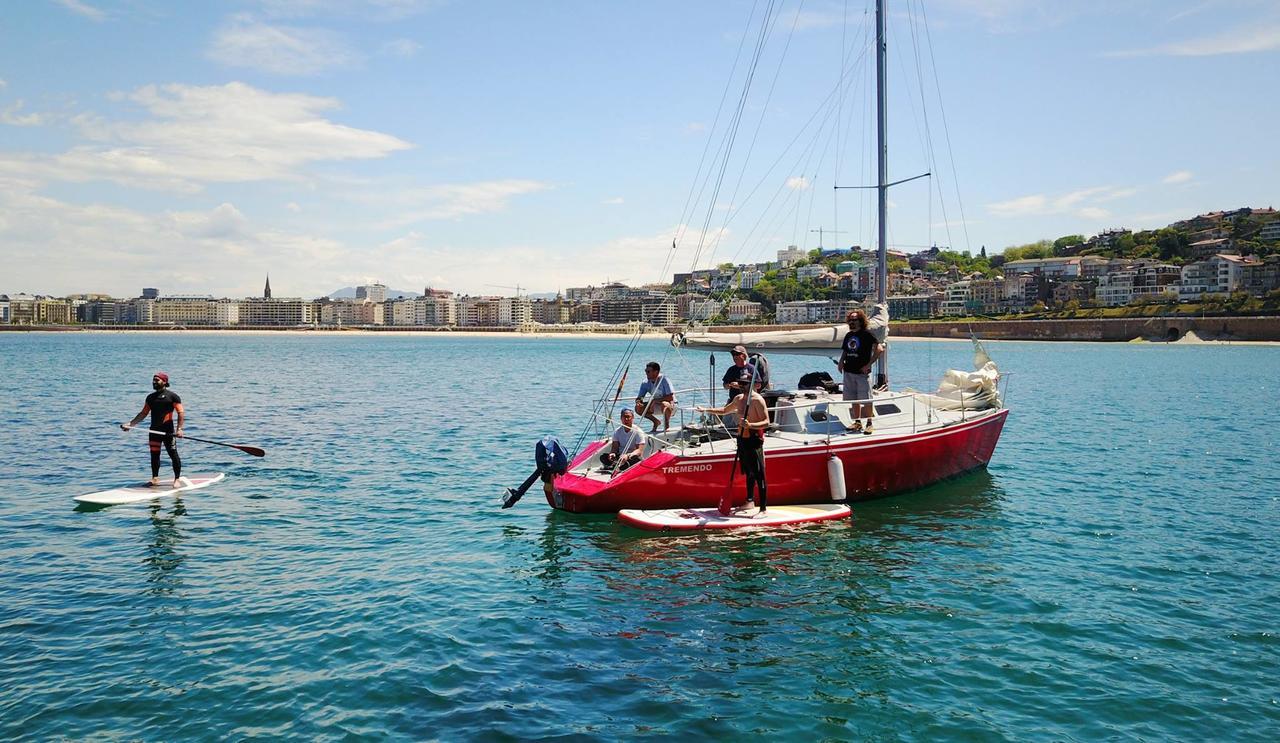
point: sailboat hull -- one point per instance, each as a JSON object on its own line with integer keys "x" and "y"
{"x": 873, "y": 467}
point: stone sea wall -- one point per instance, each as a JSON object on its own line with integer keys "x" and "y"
{"x": 1106, "y": 329}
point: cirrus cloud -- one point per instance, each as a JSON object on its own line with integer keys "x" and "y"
{"x": 284, "y": 50}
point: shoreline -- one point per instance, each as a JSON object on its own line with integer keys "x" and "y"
{"x": 1189, "y": 339}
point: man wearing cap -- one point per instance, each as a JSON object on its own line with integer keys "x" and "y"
{"x": 738, "y": 376}
{"x": 162, "y": 404}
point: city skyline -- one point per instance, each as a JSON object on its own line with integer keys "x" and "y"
{"x": 463, "y": 145}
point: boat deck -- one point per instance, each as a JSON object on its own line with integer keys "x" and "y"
{"x": 800, "y": 419}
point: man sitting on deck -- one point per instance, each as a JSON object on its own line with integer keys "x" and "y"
{"x": 664, "y": 398}
{"x": 627, "y": 444}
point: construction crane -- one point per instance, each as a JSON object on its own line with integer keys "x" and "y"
{"x": 517, "y": 287}
{"x": 822, "y": 232}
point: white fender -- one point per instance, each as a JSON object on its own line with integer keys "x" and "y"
{"x": 835, "y": 477}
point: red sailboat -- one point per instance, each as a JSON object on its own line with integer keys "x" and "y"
{"x": 813, "y": 451}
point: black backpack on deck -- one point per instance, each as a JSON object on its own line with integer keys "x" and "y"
{"x": 819, "y": 380}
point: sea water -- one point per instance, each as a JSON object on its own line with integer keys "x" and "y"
{"x": 1111, "y": 575}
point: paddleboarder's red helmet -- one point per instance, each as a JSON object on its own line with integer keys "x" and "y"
{"x": 161, "y": 376}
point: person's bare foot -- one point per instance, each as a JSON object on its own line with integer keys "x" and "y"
{"x": 153, "y": 482}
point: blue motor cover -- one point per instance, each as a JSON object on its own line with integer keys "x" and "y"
{"x": 551, "y": 456}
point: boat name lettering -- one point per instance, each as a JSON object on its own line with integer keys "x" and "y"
{"x": 687, "y": 468}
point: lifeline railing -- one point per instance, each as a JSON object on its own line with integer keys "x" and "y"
{"x": 795, "y": 402}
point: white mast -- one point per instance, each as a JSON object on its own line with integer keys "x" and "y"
{"x": 882, "y": 184}
{"x": 882, "y": 156}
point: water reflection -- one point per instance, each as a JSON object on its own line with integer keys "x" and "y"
{"x": 163, "y": 556}
{"x": 882, "y": 540}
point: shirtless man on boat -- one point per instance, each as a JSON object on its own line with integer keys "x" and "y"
{"x": 750, "y": 437}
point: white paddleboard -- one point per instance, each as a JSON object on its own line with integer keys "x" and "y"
{"x": 143, "y": 492}
{"x": 687, "y": 519}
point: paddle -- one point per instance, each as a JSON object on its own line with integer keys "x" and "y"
{"x": 250, "y": 450}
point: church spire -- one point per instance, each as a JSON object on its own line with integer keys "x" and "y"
{"x": 266, "y": 290}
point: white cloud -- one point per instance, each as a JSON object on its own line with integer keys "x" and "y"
{"x": 13, "y": 116}
{"x": 197, "y": 135}
{"x": 286, "y": 50}
{"x": 614, "y": 201}
{"x": 451, "y": 201}
{"x": 225, "y": 221}
{"x": 56, "y": 247}
{"x": 804, "y": 20}
{"x": 1248, "y": 40}
{"x": 1181, "y": 176}
{"x": 798, "y": 183}
{"x": 1011, "y": 16}
{"x": 378, "y": 10}
{"x": 3, "y": 84}
{"x": 1082, "y": 203}
{"x": 83, "y": 9}
{"x": 1023, "y": 205}
{"x": 293, "y": 207}
{"x": 1187, "y": 12}
{"x": 402, "y": 48}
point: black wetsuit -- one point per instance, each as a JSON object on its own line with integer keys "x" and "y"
{"x": 751, "y": 454}
{"x": 161, "y": 403}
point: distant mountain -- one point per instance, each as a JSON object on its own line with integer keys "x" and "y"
{"x": 349, "y": 292}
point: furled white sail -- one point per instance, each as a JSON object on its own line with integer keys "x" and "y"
{"x": 823, "y": 341}
{"x": 959, "y": 390}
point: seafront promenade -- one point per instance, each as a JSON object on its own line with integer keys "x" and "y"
{"x": 1119, "y": 330}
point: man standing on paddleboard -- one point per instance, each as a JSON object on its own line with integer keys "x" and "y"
{"x": 162, "y": 404}
{"x": 753, "y": 421}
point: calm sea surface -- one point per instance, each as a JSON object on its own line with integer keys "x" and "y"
{"x": 1111, "y": 576}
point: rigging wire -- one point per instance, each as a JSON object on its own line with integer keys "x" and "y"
{"x": 942, "y": 110}
{"x": 690, "y": 204}
{"x": 726, "y": 149}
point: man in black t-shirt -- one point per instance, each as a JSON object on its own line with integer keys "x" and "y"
{"x": 738, "y": 376}
{"x": 163, "y": 405}
{"x": 858, "y": 352}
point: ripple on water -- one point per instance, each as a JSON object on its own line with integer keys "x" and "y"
{"x": 1105, "y": 578}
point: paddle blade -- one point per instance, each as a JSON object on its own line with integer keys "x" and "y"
{"x": 250, "y": 450}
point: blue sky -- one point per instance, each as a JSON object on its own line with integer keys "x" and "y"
{"x": 197, "y": 146}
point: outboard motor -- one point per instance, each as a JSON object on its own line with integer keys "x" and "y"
{"x": 550, "y": 459}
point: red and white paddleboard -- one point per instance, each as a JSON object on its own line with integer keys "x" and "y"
{"x": 143, "y": 492}
{"x": 689, "y": 519}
